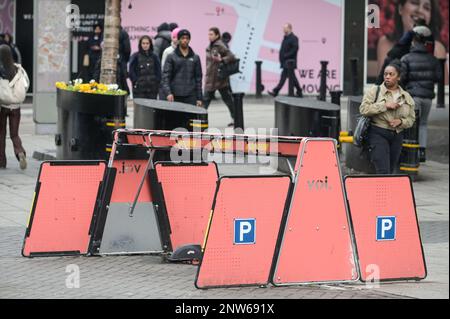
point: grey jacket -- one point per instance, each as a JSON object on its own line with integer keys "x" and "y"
{"x": 162, "y": 41}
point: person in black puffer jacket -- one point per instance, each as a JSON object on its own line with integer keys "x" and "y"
{"x": 403, "y": 46}
{"x": 182, "y": 76}
{"x": 145, "y": 70}
{"x": 421, "y": 72}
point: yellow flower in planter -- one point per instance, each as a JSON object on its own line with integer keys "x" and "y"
{"x": 102, "y": 87}
{"x": 92, "y": 87}
{"x": 61, "y": 85}
{"x": 85, "y": 87}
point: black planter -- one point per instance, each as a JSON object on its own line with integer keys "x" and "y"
{"x": 306, "y": 117}
{"x": 168, "y": 116}
{"x": 85, "y": 124}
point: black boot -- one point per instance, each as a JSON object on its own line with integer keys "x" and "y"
{"x": 273, "y": 93}
{"x": 422, "y": 155}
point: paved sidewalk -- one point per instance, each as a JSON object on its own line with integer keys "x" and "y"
{"x": 149, "y": 277}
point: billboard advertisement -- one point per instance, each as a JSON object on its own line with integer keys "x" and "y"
{"x": 398, "y": 16}
{"x": 257, "y": 30}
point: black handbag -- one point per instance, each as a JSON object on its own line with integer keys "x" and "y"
{"x": 228, "y": 69}
{"x": 361, "y": 134}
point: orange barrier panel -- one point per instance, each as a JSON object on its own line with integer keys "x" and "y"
{"x": 316, "y": 246}
{"x": 188, "y": 193}
{"x": 243, "y": 230}
{"x": 387, "y": 234}
{"x": 63, "y": 208}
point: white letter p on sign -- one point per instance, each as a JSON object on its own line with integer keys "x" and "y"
{"x": 245, "y": 228}
{"x": 386, "y": 225}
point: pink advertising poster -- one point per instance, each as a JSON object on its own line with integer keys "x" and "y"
{"x": 6, "y": 16}
{"x": 257, "y": 30}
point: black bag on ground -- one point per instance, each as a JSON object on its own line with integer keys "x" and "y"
{"x": 361, "y": 134}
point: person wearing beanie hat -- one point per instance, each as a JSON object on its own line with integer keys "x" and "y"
{"x": 426, "y": 36}
{"x": 403, "y": 46}
{"x": 183, "y": 33}
{"x": 166, "y": 53}
{"x": 182, "y": 75}
{"x": 172, "y": 48}
{"x": 421, "y": 72}
{"x": 175, "y": 35}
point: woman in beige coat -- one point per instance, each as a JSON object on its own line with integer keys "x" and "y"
{"x": 391, "y": 112}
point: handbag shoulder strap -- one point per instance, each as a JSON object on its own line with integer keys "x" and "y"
{"x": 377, "y": 94}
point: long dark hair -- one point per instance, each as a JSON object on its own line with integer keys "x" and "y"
{"x": 7, "y": 68}
{"x": 435, "y": 22}
{"x": 142, "y": 39}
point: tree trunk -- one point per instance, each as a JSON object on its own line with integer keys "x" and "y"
{"x": 108, "y": 74}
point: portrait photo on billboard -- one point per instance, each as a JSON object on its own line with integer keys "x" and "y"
{"x": 399, "y": 16}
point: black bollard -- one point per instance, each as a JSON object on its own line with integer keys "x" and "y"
{"x": 238, "y": 99}
{"x": 291, "y": 75}
{"x": 259, "y": 85}
{"x": 409, "y": 158}
{"x": 441, "y": 86}
{"x": 336, "y": 97}
{"x": 354, "y": 72}
{"x": 323, "y": 81}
